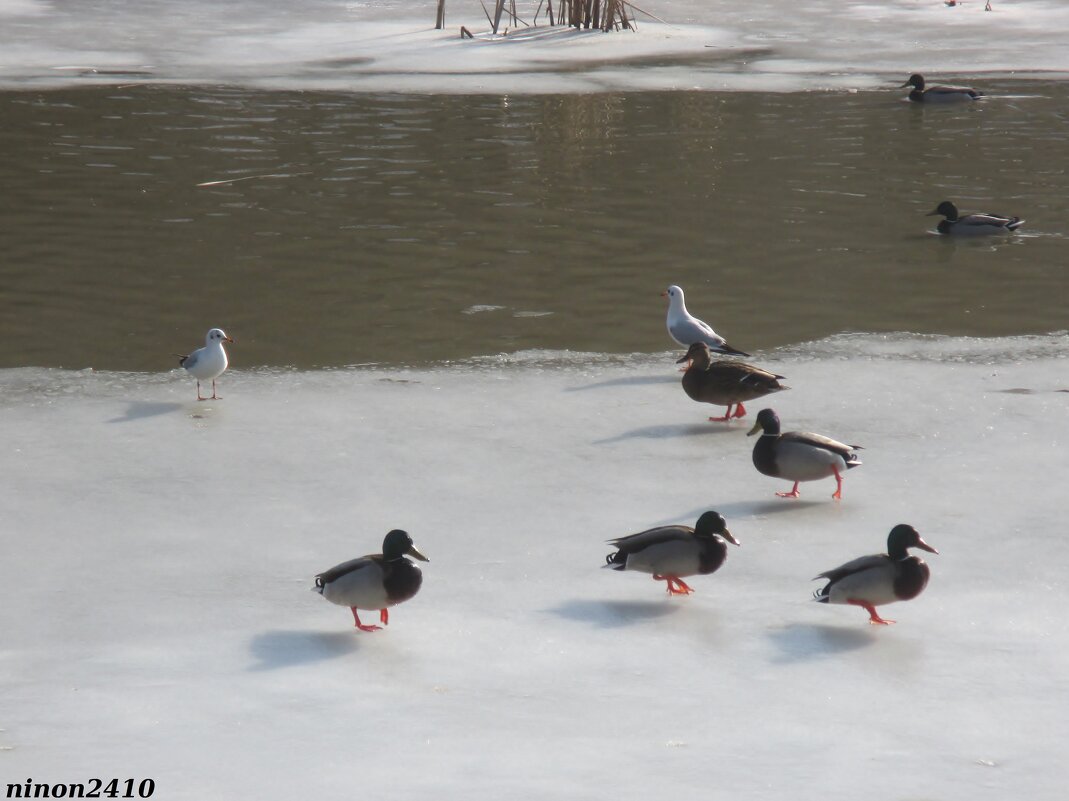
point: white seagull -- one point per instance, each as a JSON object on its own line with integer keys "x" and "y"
{"x": 687, "y": 329}
{"x": 209, "y": 362}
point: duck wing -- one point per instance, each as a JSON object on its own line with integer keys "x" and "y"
{"x": 633, "y": 543}
{"x": 952, "y": 92}
{"x": 995, "y": 220}
{"x": 345, "y": 568}
{"x": 862, "y": 563}
{"x": 822, "y": 442}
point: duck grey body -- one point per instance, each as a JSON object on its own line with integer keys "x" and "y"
{"x": 375, "y": 581}
{"x": 798, "y": 455}
{"x": 725, "y": 383}
{"x": 878, "y": 579}
{"x": 938, "y": 94}
{"x": 671, "y": 553}
{"x": 973, "y": 224}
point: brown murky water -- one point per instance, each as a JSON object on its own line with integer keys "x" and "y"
{"x": 361, "y": 228}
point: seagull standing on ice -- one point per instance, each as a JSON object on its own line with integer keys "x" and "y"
{"x": 686, "y": 329}
{"x": 209, "y": 362}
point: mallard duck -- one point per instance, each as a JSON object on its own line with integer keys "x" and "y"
{"x": 938, "y": 94}
{"x": 883, "y": 578}
{"x": 209, "y": 362}
{"x": 669, "y": 553}
{"x": 376, "y": 581}
{"x": 972, "y": 224}
{"x": 686, "y": 329}
{"x": 725, "y": 383}
{"x": 799, "y": 456}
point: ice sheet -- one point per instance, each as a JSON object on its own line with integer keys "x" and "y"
{"x": 778, "y": 45}
{"x": 158, "y": 555}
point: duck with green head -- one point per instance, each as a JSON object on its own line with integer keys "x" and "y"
{"x": 972, "y": 224}
{"x": 376, "y": 581}
{"x": 871, "y": 581}
{"x": 921, "y": 93}
{"x": 671, "y": 553}
{"x": 799, "y": 456}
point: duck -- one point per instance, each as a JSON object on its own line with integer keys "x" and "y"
{"x": 375, "y": 581}
{"x": 726, "y": 382}
{"x": 671, "y": 553}
{"x": 972, "y": 224}
{"x": 938, "y": 94}
{"x": 685, "y": 329}
{"x": 883, "y": 578}
{"x": 209, "y": 362}
{"x": 799, "y": 456}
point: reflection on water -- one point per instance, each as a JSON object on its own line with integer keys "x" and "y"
{"x": 330, "y": 229}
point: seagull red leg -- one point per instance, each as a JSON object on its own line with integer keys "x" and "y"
{"x": 838, "y": 494}
{"x": 360, "y": 625}
{"x": 384, "y": 617}
{"x": 740, "y": 410}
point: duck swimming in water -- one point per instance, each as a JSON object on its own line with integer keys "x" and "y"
{"x": 938, "y": 94}
{"x": 972, "y": 224}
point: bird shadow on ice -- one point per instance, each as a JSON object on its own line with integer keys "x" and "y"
{"x": 630, "y": 381}
{"x": 612, "y": 614}
{"x": 282, "y": 649}
{"x": 138, "y": 410}
{"x": 799, "y": 642}
{"x": 667, "y": 431}
{"x": 734, "y": 509}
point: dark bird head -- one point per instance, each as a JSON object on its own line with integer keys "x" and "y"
{"x": 916, "y": 80}
{"x": 398, "y": 544}
{"x": 904, "y": 537}
{"x": 699, "y": 355}
{"x": 947, "y": 209}
{"x": 767, "y": 421}
{"x": 711, "y": 523}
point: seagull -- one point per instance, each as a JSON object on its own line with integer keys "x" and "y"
{"x": 686, "y": 329}
{"x": 972, "y": 224}
{"x": 938, "y": 94}
{"x": 871, "y": 581}
{"x": 375, "y": 581}
{"x": 209, "y": 362}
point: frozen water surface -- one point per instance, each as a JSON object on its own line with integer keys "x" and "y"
{"x": 777, "y": 45}
{"x": 158, "y": 555}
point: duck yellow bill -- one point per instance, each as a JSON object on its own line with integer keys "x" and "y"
{"x": 754, "y": 430}
{"x": 414, "y": 551}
